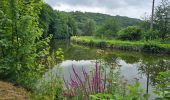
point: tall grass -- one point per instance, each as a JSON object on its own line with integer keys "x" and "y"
{"x": 141, "y": 46}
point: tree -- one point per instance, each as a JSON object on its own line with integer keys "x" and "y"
{"x": 59, "y": 24}
{"x": 130, "y": 33}
{"x": 63, "y": 26}
{"x": 47, "y": 16}
{"x": 162, "y": 19}
{"x": 109, "y": 29}
{"x": 90, "y": 27}
{"x": 24, "y": 55}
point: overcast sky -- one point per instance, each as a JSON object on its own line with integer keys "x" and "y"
{"x": 130, "y": 8}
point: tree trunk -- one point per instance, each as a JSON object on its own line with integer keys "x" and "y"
{"x": 153, "y": 6}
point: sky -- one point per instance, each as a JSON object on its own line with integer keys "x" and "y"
{"x": 129, "y": 8}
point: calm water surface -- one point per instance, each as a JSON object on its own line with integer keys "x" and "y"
{"x": 131, "y": 64}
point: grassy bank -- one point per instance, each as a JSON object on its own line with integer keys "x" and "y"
{"x": 9, "y": 91}
{"x": 140, "y": 46}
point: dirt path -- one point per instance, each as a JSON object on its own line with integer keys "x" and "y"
{"x": 10, "y": 92}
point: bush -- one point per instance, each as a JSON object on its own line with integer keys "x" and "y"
{"x": 162, "y": 89}
{"x": 152, "y": 48}
{"x": 151, "y": 35}
{"x": 49, "y": 87}
{"x": 102, "y": 44}
{"x": 91, "y": 43}
{"x": 130, "y": 33}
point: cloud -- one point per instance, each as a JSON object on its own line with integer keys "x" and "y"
{"x": 130, "y": 8}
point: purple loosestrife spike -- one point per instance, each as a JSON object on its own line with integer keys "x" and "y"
{"x": 96, "y": 78}
{"x": 95, "y": 81}
{"x": 75, "y": 73}
{"x": 105, "y": 78}
{"x": 84, "y": 73}
{"x": 73, "y": 83}
{"x": 87, "y": 77}
{"x": 81, "y": 82}
{"x": 99, "y": 80}
{"x": 93, "y": 84}
{"x": 109, "y": 87}
{"x": 65, "y": 83}
{"x": 100, "y": 88}
{"x": 70, "y": 75}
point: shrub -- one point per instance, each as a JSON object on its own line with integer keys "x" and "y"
{"x": 152, "y": 48}
{"x": 130, "y": 33}
{"x": 163, "y": 89}
{"x": 91, "y": 43}
{"x": 151, "y": 35}
{"x": 50, "y": 87}
{"x": 102, "y": 44}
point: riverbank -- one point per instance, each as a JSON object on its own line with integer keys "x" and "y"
{"x": 10, "y": 92}
{"x": 139, "y": 46}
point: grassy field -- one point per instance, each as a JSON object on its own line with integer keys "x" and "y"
{"x": 146, "y": 46}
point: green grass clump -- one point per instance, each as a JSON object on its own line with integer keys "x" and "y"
{"x": 144, "y": 46}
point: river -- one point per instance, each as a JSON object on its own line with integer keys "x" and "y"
{"x": 132, "y": 64}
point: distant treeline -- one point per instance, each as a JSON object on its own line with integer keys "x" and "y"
{"x": 66, "y": 24}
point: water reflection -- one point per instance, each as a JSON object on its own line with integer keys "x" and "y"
{"x": 145, "y": 67}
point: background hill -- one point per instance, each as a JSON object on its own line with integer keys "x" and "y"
{"x": 100, "y": 19}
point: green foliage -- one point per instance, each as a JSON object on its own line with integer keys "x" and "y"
{"x": 151, "y": 35}
{"x": 90, "y": 27}
{"x": 140, "y": 46}
{"x": 152, "y": 48}
{"x": 24, "y": 57}
{"x": 100, "y": 20}
{"x": 161, "y": 23}
{"x": 46, "y": 18}
{"x": 109, "y": 29}
{"x": 130, "y": 92}
{"x": 162, "y": 19}
{"x": 102, "y": 44}
{"x": 59, "y": 24}
{"x": 145, "y": 25}
{"x": 130, "y": 33}
{"x": 50, "y": 87}
{"x": 20, "y": 32}
{"x": 135, "y": 93}
{"x": 64, "y": 26}
{"x": 59, "y": 55}
{"x": 163, "y": 89}
{"x": 100, "y": 96}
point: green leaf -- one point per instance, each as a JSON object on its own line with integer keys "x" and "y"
{"x": 159, "y": 98}
{"x": 167, "y": 95}
{"x": 146, "y": 96}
